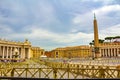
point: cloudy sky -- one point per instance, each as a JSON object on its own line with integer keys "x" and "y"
{"x": 58, "y": 23}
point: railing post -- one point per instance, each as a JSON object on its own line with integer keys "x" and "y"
{"x": 68, "y": 69}
{"x": 118, "y": 75}
{"x": 77, "y": 70}
{"x": 12, "y": 72}
{"x": 107, "y": 69}
{"x": 101, "y": 72}
{"x": 39, "y": 72}
{"x": 93, "y": 71}
{"x": 82, "y": 70}
{"x": 118, "y": 71}
{"x": 26, "y": 72}
{"x": 1, "y": 71}
{"x": 55, "y": 73}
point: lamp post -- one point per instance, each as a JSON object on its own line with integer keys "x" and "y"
{"x": 69, "y": 56}
{"x": 93, "y": 52}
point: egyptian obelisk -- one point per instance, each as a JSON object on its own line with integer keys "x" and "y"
{"x": 96, "y": 39}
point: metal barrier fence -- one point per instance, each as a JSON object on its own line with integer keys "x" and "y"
{"x": 61, "y": 73}
{"x": 57, "y": 70}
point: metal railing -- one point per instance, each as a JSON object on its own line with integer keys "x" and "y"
{"x": 61, "y": 73}
{"x": 57, "y": 70}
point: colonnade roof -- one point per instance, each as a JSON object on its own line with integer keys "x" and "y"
{"x": 110, "y": 44}
{"x": 4, "y": 41}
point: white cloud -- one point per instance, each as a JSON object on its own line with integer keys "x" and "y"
{"x": 107, "y": 9}
{"x": 101, "y": 12}
{"x": 36, "y": 33}
{"x": 44, "y": 13}
{"x": 104, "y": 17}
{"x": 111, "y": 31}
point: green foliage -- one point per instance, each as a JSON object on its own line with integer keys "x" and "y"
{"x": 106, "y": 38}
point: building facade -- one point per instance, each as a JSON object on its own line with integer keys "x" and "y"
{"x": 9, "y": 49}
{"x": 106, "y": 50}
{"x": 72, "y": 52}
{"x": 36, "y": 52}
{"x": 110, "y": 49}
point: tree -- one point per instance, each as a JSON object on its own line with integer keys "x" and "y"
{"x": 117, "y": 38}
{"x": 109, "y": 38}
{"x": 100, "y": 41}
{"x": 91, "y": 43}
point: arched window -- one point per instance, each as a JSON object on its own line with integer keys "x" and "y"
{"x": 56, "y": 54}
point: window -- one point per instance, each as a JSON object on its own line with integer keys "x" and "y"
{"x": 41, "y": 53}
{"x": 56, "y": 54}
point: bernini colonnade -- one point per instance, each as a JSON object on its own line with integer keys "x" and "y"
{"x": 8, "y": 49}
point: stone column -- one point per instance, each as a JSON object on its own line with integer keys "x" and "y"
{"x": 11, "y": 52}
{"x": 110, "y": 52}
{"x": 114, "y": 51}
{"x": 102, "y": 52}
{"x": 117, "y": 51}
{"x": 19, "y": 52}
{"x": 0, "y": 51}
{"x": 29, "y": 53}
{"x": 23, "y": 53}
{"x": 7, "y": 52}
{"x": 105, "y": 53}
{"x": 3, "y": 52}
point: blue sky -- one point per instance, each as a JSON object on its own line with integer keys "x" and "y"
{"x": 58, "y": 23}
